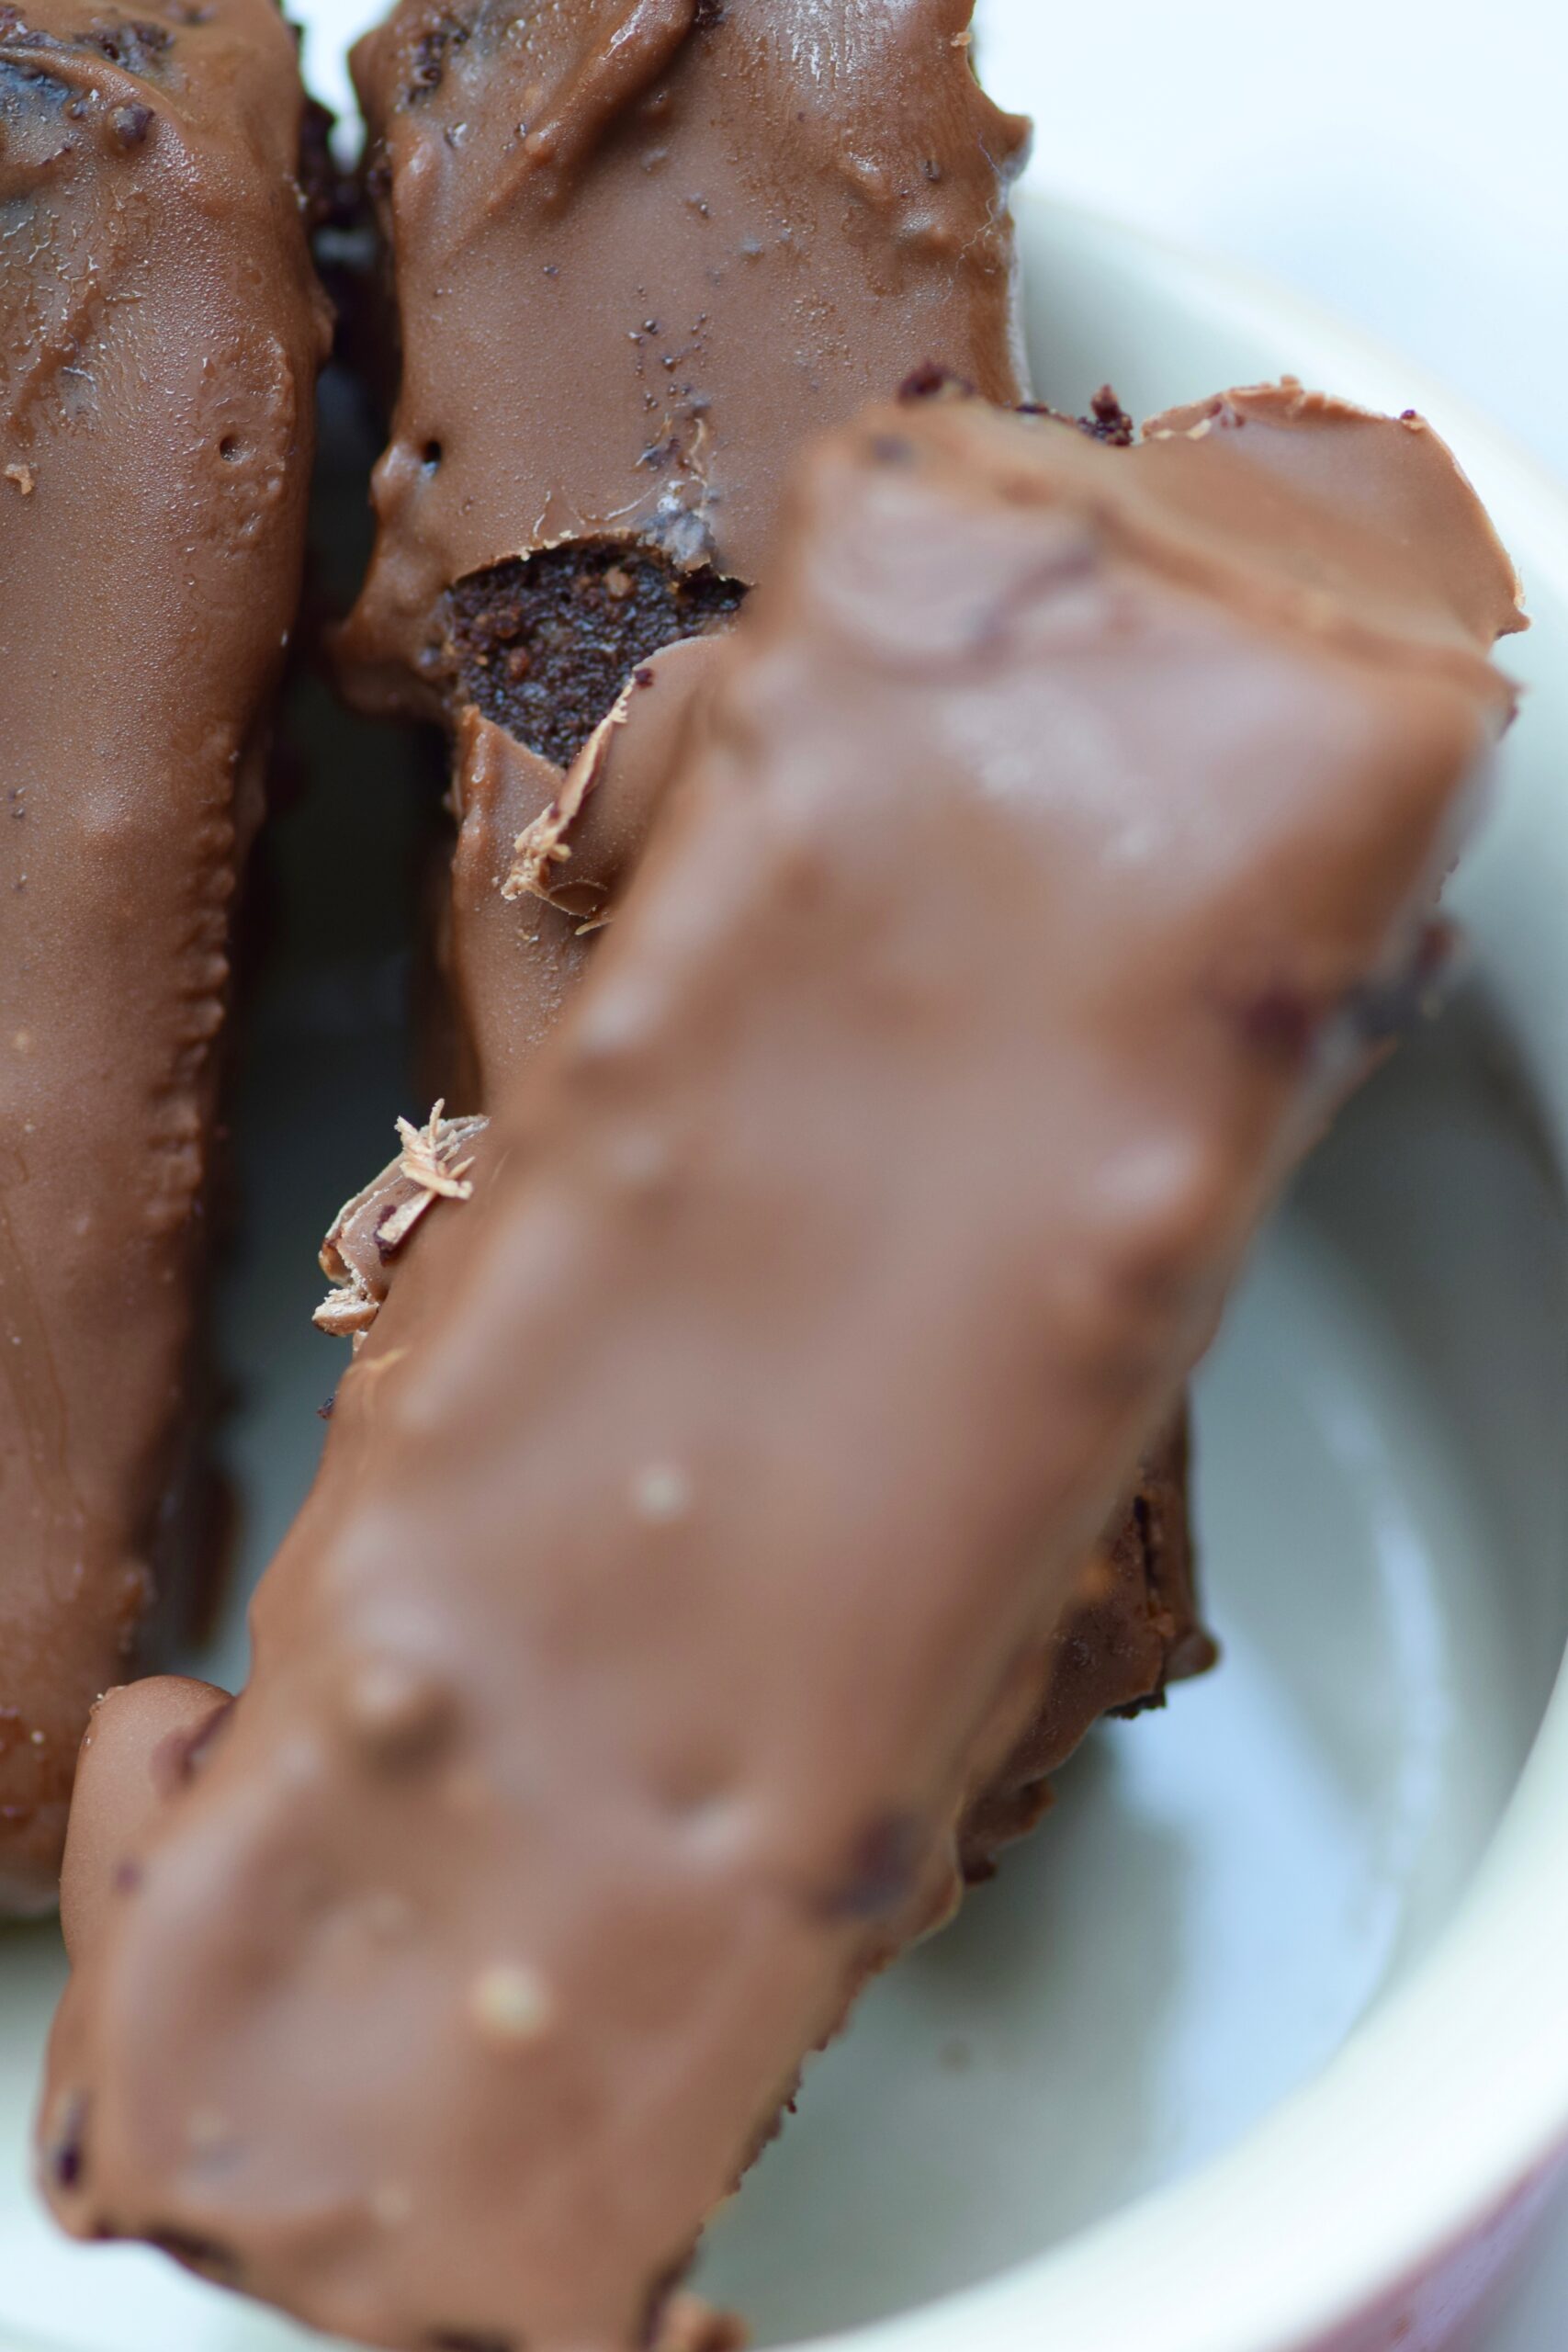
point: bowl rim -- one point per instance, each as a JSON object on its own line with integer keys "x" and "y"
{"x": 1448, "y": 2104}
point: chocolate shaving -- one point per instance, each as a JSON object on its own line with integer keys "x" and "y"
{"x": 369, "y": 1229}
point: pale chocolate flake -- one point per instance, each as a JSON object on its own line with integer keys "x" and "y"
{"x": 369, "y": 1229}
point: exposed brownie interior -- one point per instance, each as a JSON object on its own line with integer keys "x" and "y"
{"x": 543, "y": 644}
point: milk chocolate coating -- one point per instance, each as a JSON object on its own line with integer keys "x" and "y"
{"x": 1057, "y": 809}
{"x": 1131, "y": 1625}
{"x": 139, "y": 1747}
{"x": 159, "y": 330}
{"x": 641, "y": 249}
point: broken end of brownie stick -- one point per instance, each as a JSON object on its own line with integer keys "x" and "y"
{"x": 1051, "y": 822}
{"x": 543, "y": 530}
{"x": 729, "y": 167}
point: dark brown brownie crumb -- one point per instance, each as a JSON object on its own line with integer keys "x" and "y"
{"x": 129, "y": 125}
{"x": 1108, "y": 420}
{"x": 136, "y": 46}
{"x": 543, "y": 644}
{"x": 931, "y": 382}
{"x": 431, "y": 51}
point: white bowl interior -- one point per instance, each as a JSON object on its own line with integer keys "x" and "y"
{"x": 1228, "y": 1891}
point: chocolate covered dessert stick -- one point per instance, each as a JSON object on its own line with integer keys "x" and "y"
{"x": 641, "y": 249}
{"x": 639, "y": 255}
{"x": 160, "y": 331}
{"x": 1059, "y": 816}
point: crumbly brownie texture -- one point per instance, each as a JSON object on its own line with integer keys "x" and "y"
{"x": 817, "y": 1294}
{"x": 160, "y": 331}
{"x": 543, "y": 644}
{"x": 616, "y": 748}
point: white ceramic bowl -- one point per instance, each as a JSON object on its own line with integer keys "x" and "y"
{"x": 1262, "y": 2044}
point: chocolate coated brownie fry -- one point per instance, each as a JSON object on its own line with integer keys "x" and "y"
{"x": 641, "y": 251}
{"x": 159, "y": 330}
{"x": 639, "y": 255}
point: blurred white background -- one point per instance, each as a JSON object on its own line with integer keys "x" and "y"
{"x": 1405, "y": 161}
